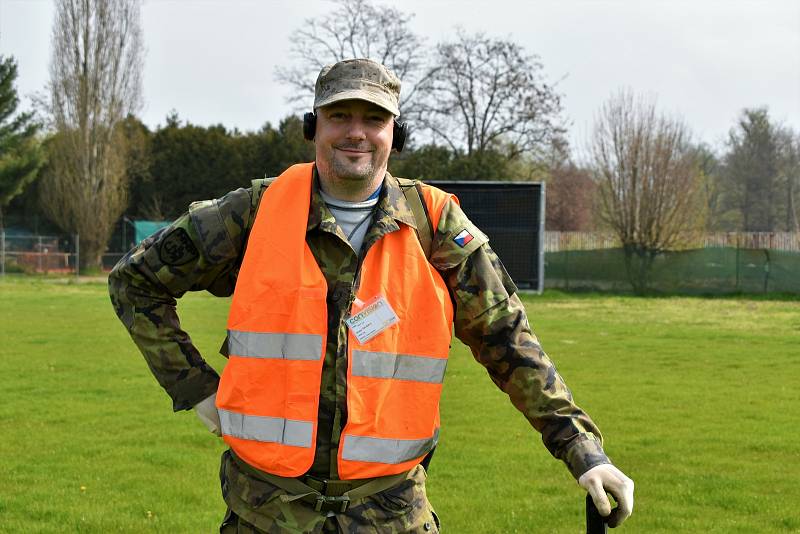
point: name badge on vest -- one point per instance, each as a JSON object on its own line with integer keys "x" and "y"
{"x": 373, "y": 318}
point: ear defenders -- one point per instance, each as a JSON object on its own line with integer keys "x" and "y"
{"x": 399, "y": 130}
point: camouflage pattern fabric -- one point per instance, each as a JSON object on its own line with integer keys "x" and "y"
{"x": 257, "y": 506}
{"x": 203, "y": 250}
{"x": 362, "y": 79}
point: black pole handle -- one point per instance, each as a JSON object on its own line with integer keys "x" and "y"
{"x": 595, "y": 523}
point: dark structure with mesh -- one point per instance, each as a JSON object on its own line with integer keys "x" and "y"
{"x": 512, "y": 215}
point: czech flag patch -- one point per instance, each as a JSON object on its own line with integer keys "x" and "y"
{"x": 463, "y": 238}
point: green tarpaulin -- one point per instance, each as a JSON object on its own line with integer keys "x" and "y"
{"x": 716, "y": 270}
{"x": 143, "y": 229}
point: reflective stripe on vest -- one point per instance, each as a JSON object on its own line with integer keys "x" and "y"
{"x": 280, "y": 346}
{"x": 267, "y": 429}
{"x": 389, "y": 451}
{"x": 398, "y": 366}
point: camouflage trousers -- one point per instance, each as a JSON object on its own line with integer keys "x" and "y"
{"x": 233, "y": 524}
{"x": 255, "y": 507}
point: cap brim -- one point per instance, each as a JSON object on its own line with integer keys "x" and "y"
{"x": 355, "y": 94}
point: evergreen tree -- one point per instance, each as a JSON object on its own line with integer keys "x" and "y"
{"x": 752, "y": 168}
{"x": 188, "y": 162}
{"x": 21, "y": 155}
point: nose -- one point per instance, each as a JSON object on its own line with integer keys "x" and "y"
{"x": 355, "y": 129}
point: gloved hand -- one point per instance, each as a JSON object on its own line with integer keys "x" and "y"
{"x": 206, "y": 410}
{"x": 606, "y": 478}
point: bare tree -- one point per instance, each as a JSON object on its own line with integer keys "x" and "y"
{"x": 483, "y": 93}
{"x": 570, "y": 194}
{"x": 355, "y": 29}
{"x": 789, "y": 174}
{"x": 95, "y": 82}
{"x": 708, "y": 164}
{"x": 649, "y": 183}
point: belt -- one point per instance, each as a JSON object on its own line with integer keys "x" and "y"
{"x": 325, "y": 495}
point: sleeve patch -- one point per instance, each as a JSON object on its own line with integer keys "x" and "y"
{"x": 177, "y": 248}
{"x": 455, "y": 239}
{"x": 463, "y": 238}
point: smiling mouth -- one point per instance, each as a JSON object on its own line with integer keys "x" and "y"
{"x": 352, "y": 150}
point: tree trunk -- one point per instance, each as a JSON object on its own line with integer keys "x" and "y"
{"x": 91, "y": 256}
{"x": 638, "y": 265}
{"x": 791, "y": 212}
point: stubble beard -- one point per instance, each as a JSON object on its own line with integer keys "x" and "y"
{"x": 355, "y": 173}
{"x": 349, "y": 178}
{"x": 361, "y": 172}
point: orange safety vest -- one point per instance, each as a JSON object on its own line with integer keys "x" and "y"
{"x": 268, "y": 396}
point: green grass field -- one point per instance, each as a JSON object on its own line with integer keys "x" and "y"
{"x": 699, "y": 402}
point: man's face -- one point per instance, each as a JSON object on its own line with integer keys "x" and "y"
{"x": 353, "y": 140}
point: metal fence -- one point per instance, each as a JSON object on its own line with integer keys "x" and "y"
{"x": 45, "y": 254}
{"x": 786, "y": 241}
{"x": 39, "y": 254}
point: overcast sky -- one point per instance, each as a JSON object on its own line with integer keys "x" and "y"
{"x": 214, "y": 61}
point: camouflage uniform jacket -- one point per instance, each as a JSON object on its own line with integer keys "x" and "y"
{"x": 203, "y": 250}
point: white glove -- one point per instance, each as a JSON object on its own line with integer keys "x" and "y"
{"x": 606, "y": 478}
{"x": 206, "y": 410}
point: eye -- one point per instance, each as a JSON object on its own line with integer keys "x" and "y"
{"x": 377, "y": 119}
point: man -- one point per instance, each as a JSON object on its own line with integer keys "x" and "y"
{"x": 339, "y": 329}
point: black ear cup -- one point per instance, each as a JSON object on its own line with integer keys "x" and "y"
{"x": 399, "y": 134}
{"x": 309, "y": 125}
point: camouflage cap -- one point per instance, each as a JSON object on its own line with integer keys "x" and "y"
{"x": 359, "y": 79}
